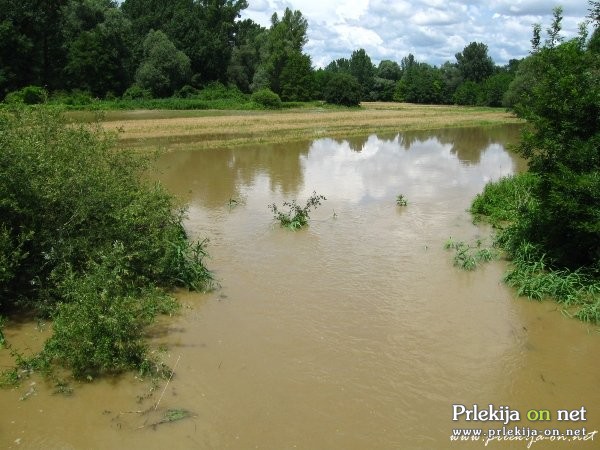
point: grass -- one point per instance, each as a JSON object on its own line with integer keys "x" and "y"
{"x": 204, "y": 129}
{"x": 508, "y": 204}
{"x": 470, "y": 256}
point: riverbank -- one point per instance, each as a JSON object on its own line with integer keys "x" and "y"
{"x": 203, "y": 129}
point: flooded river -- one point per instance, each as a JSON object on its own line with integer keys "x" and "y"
{"x": 355, "y": 333}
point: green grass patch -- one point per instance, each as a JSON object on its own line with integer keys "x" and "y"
{"x": 503, "y": 201}
{"x": 469, "y": 256}
{"x": 510, "y": 205}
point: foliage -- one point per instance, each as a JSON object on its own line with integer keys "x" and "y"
{"x": 267, "y": 99}
{"x": 420, "y": 83}
{"x": 401, "y": 200}
{"x": 99, "y": 44}
{"x": 504, "y": 201}
{"x": 136, "y": 92}
{"x": 342, "y": 89}
{"x": 535, "y": 277}
{"x": 474, "y": 63}
{"x": 29, "y": 95}
{"x": 561, "y": 144}
{"x": 468, "y": 93}
{"x": 84, "y": 238}
{"x": 164, "y": 69}
{"x": 297, "y": 78}
{"x": 98, "y": 325}
{"x": 296, "y": 217}
{"x": 469, "y": 256}
{"x": 389, "y": 70}
{"x": 363, "y": 70}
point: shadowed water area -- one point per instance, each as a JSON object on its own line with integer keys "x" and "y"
{"x": 355, "y": 333}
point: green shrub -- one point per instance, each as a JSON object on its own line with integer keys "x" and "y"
{"x": 218, "y": 91}
{"x": 266, "y": 98}
{"x": 186, "y": 91}
{"x": 73, "y": 98}
{"x": 401, "y": 200}
{"x": 85, "y": 238}
{"x": 98, "y": 327}
{"x": 296, "y": 217}
{"x": 342, "y": 89}
{"x": 30, "y": 95}
{"x": 136, "y": 92}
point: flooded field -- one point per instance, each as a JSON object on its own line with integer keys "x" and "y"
{"x": 355, "y": 333}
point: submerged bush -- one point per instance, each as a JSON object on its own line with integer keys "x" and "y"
{"x": 470, "y": 256}
{"x": 296, "y": 216}
{"x": 84, "y": 240}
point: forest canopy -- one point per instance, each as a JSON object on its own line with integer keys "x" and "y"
{"x": 79, "y": 50}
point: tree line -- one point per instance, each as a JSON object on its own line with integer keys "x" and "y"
{"x": 155, "y": 49}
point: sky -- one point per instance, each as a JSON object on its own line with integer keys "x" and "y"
{"x": 432, "y": 30}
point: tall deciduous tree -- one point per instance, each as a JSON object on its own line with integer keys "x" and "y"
{"x": 286, "y": 37}
{"x": 474, "y": 63}
{"x": 98, "y": 43}
{"x": 363, "y": 70}
{"x": 562, "y": 145}
{"x": 164, "y": 69}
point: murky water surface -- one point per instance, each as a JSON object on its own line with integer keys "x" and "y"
{"x": 356, "y": 333}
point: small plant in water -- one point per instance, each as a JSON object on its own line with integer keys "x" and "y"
{"x": 469, "y": 256}
{"x": 401, "y": 200}
{"x": 296, "y": 216}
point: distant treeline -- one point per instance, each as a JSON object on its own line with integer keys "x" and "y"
{"x": 143, "y": 49}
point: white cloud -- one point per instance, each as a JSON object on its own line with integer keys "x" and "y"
{"x": 433, "y": 30}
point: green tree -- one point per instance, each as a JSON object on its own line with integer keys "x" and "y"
{"x": 297, "y": 78}
{"x": 99, "y": 42}
{"x": 389, "y": 70}
{"x": 31, "y": 44}
{"x": 363, "y": 70}
{"x": 474, "y": 63}
{"x": 420, "y": 83}
{"x": 561, "y": 106}
{"x": 495, "y": 87}
{"x": 343, "y": 89}
{"x": 468, "y": 93}
{"x": 164, "y": 69}
{"x": 286, "y": 37}
{"x": 245, "y": 55}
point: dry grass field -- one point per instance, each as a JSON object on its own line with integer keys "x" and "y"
{"x": 205, "y": 129}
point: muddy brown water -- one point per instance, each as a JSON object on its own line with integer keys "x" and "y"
{"x": 355, "y": 333}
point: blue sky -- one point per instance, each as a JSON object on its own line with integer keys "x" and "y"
{"x": 432, "y": 30}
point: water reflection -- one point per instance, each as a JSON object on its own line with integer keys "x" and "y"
{"x": 416, "y": 164}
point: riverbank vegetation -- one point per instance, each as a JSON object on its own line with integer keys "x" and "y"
{"x": 128, "y": 55}
{"x": 86, "y": 242}
{"x": 548, "y": 220}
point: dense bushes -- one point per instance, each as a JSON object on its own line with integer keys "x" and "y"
{"x": 266, "y": 98}
{"x": 342, "y": 89}
{"x": 551, "y": 228}
{"x": 84, "y": 240}
{"x": 30, "y": 95}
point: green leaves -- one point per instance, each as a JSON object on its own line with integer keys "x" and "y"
{"x": 84, "y": 240}
{"x": 296, "y": 217}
